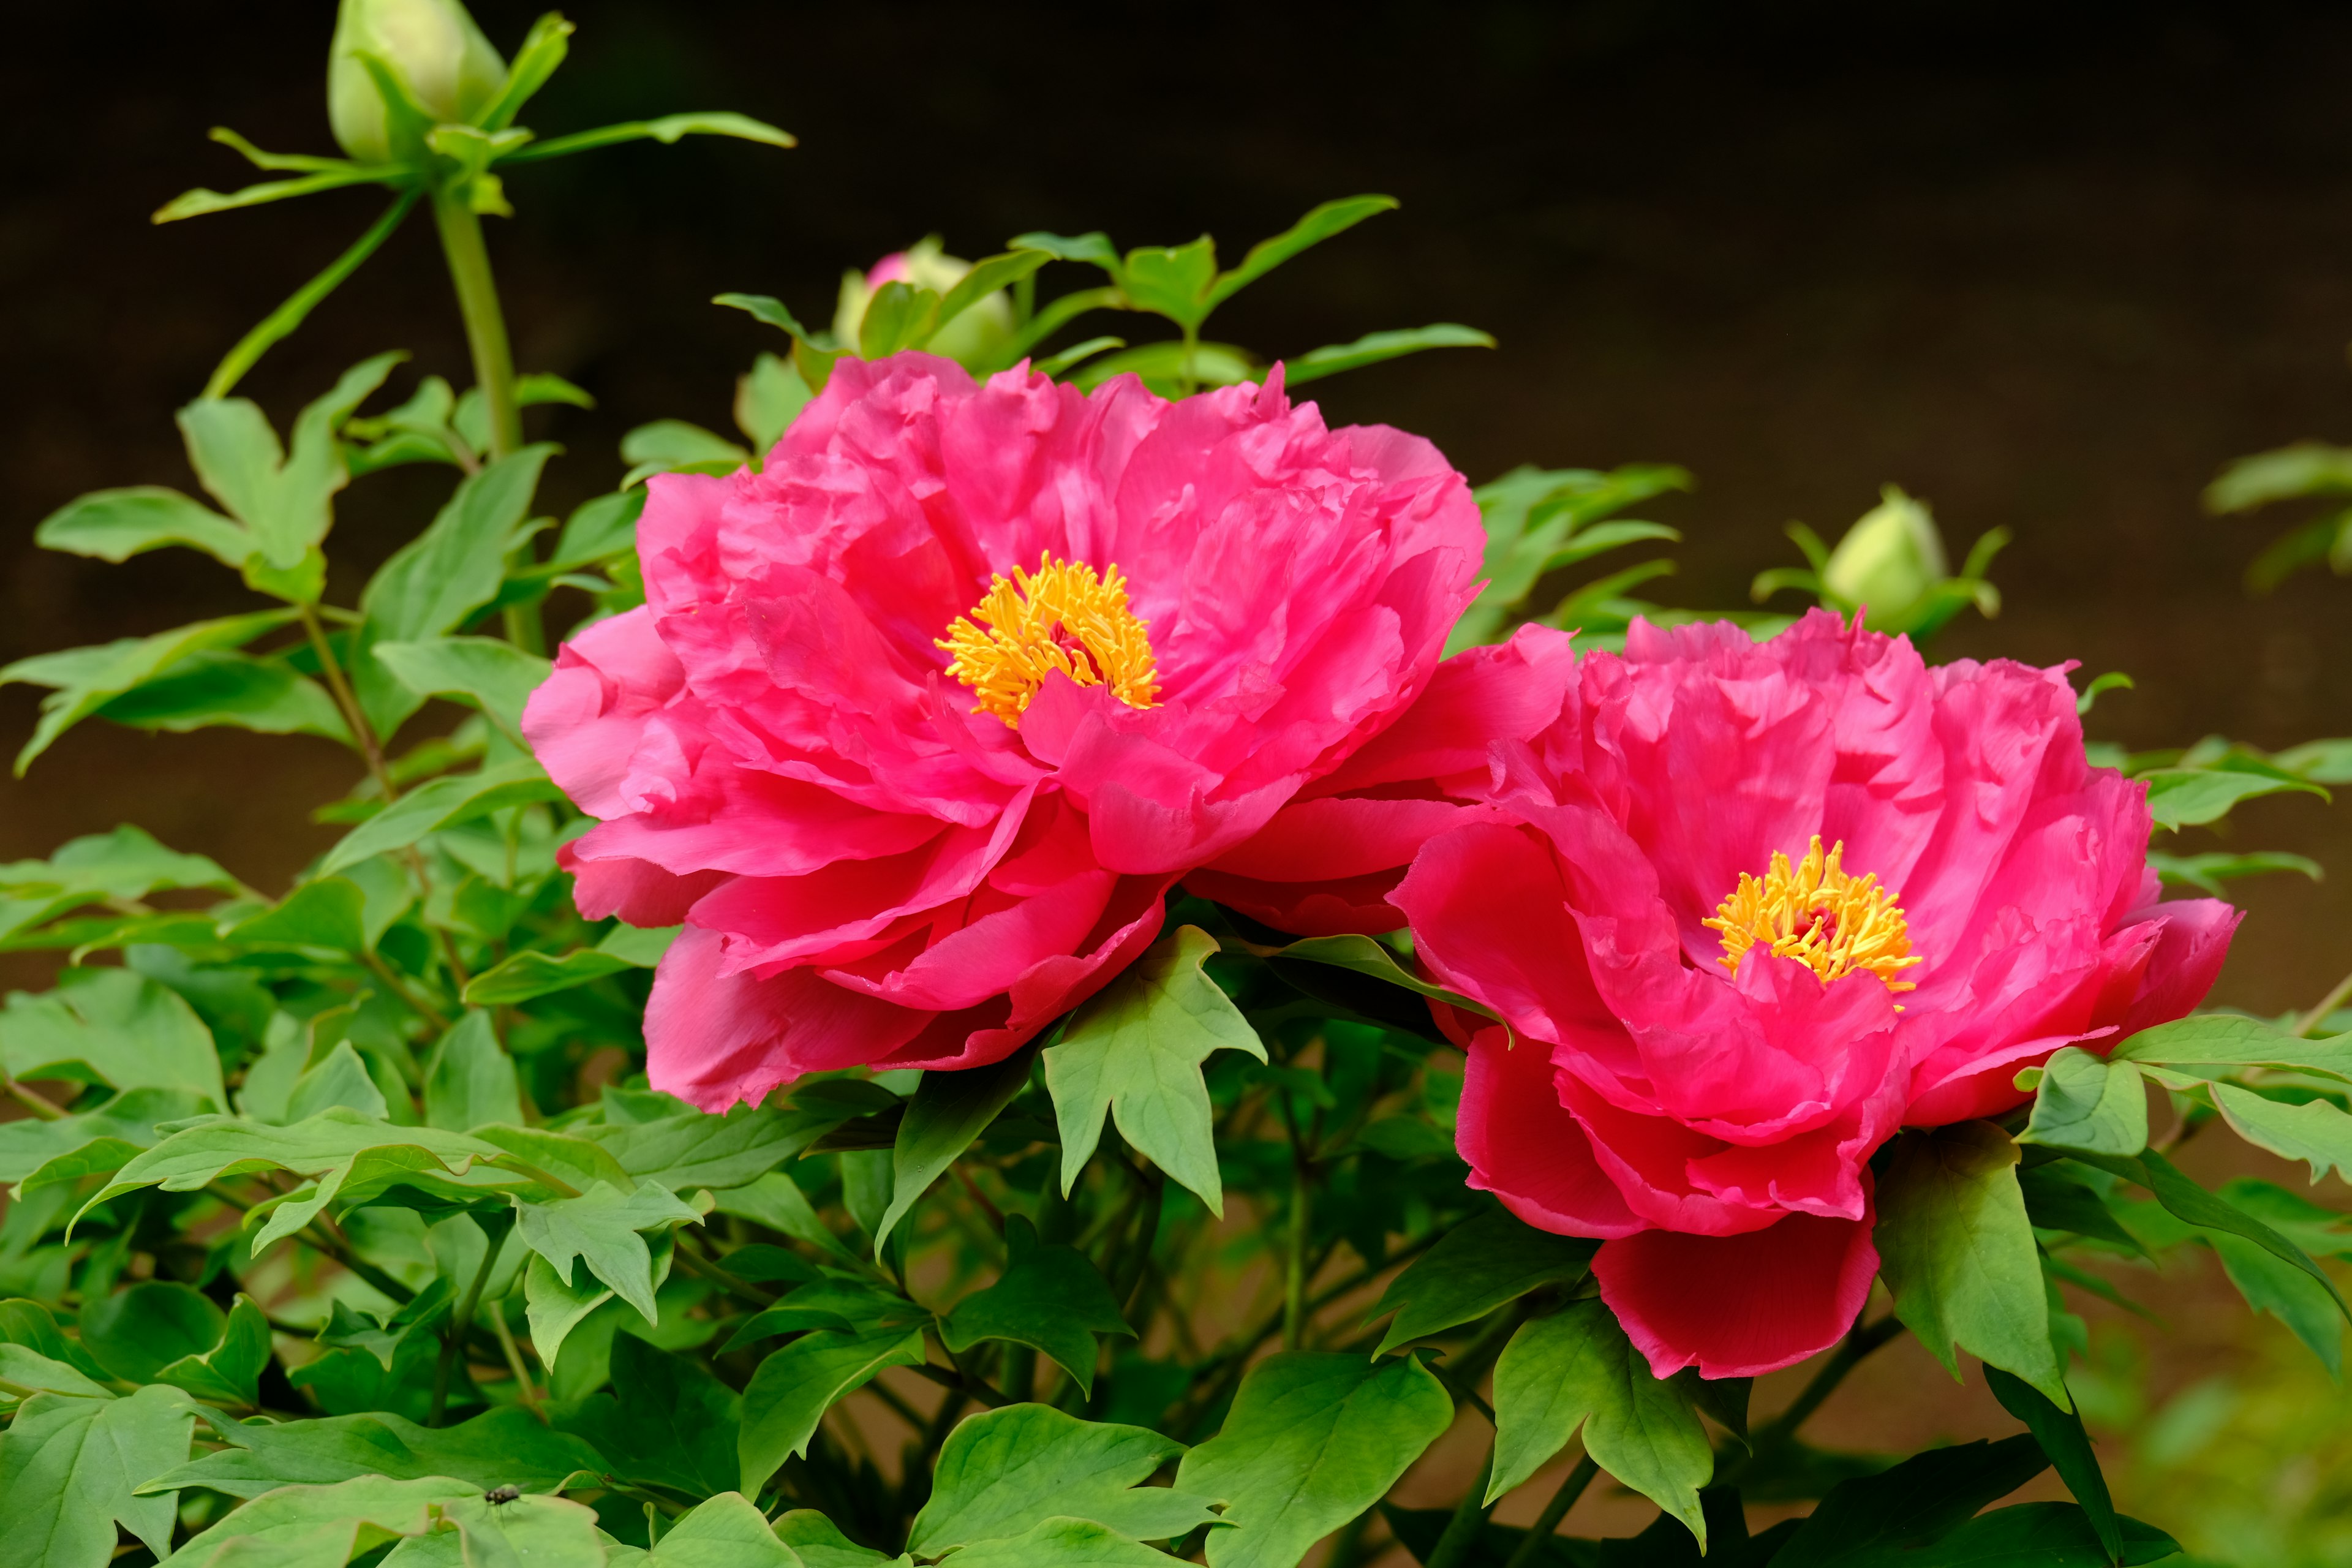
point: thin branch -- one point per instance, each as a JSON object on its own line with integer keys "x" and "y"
{"x": 1530, "y": 1550}
{"x": 2327, "y": 1005}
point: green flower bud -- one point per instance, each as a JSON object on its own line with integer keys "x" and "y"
{"x": 974, "y": 337}
{"x": 1890, "y": 560}
{"x": 432, "y": 45}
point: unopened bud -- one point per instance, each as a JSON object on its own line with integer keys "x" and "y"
{"x": 1888, "y": 561}
{"x": 973, "y": 337}
{"x": 432, "y": 45}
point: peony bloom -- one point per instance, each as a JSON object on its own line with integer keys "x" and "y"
{"x": 1759, "y": 907}
{"x": 919, "y": 723}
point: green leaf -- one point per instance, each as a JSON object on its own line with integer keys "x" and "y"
{"x": 31, "y": 1371}
{"x": 69, "y": 1469}
{"x": 126, "y": 864}
{"x": 1320, "y": 224}
{"x": 529, "y": 1532}
{"x": 1005, "y": 1471}
{"x": 2210, "y": 874}
{"x": 1870, "y": 1521}
{"x": 2087, "y": 1102}
{"x": 504, "y": 1447}
{"x": 830, "y": 1304}
{"x": 113, "y": 1027}
{"x": 338, "y": 1078}
{"x": 115, "y": 526}
{"x": 668, "y": 1422}
{"x": 2185, "y": 798}
{"x": 2187, "y": 1199}
{"x": 525, "y": 976}
{"x": 1365, "y": 956}
{"x": 2056, "y": 1200}
{"x": 128, "y": 1120}
{"x": 1481, "y": 1264}
{"x": 218, "y": 687}
{"x": 84, "y": 679}
{"x": 821, "y": 1545}
{"x": 1049, "y": 1297}
{"x": 667, "y": 129}
{"x": 946, "y": 1112}
{"x": 1094, "y": 248}
{"x": 2061, "y": 1434}
{"x": 1165, "y": 367}
{"x": 794, "y": 1387}
{"x": 2225, "y": 1041}
{"x": 1136, "y": 1050}
{"x": 776, "y": 1201}
{"x": 1062, "y": 1543}
{"x": 2314, "y": 1132}
{"x": 444, "y": 803}
{"x": 667, "y": 444}
{"x": 986, "y": 276}
{"x": 898, "y": 315}
{"x": 496, "y": 677}
{"x": 329, "y": 913}
{"x": 2306, "y": 469}
{"x": 470, "y": 1082}
{"x": 1374, "y": 347}
{"x": 1313, "y": 1439}
{"x": 436, "y": 580}
{"x": 300, "y": 1527}
{"x": 768, "y": 398}
{"x": 229, "y": 1373}
{"x": 1957, "y": 1252}
{"x": 602, "y": 1227}
{"x": 134, "y": 1333}
{"x": 1575, "y": 1367}
{"x": 766, "y": 309}
{"x": 2036, "y": 1535}
{"x": 1171, "y": 280}
{"x": 2286, "y": 1293}
{"x": 725, "y": 1532}
{"x": 695, "y": 1150}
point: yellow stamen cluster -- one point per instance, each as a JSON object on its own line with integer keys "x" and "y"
{"x": 1818, "y": 914}
{"x": 1062, "y": 616}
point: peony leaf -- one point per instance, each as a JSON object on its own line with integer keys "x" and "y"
{"x": 1959, "y": 1253}
{"x": 445, "y": 803}
{"x": 1482, "y": 1263}
{"x": 2185, "y": 798}
{"x": 822, "y": 1545}
{"x": 507, "y": 1446}
{"x": 496, "y": 677}
{"x": 526, "y": 976}
{"x": 695, "y": 1150}
{"x": 724, "y": 1531}
{"x": 115, "y": 526}
{"x": 851, "y": 1305}
{"x": 69, "y": 1469}
{"x": 219, "y": 686}
{"x": 1049, "y": 1297}
{"x": 1063, "y": 1542}
{"x": 668, "y": 1422}
{"x": 113, "y": 1027}
{"x": 604, "y": 1227}
{"x": 126, "y": 1124}
{"x": 1007, "y": 1471}
{"x": 2306, "y": 469}
{"x": 82, "y": 680}
{"x": 326, "y": 913}
{"x": 667, "y": 128}
{"x": 1876, "y": 1519}
{"x": 794, "y": 1387}
{"x": 2088, "y": 1103}
{"x": 1365, "y": 956}
{"x": 1136, "y": 1050}
{"x": 2061, "y": 1434}
{"x": 1576, "y": 1367}
{"x": 945, "y": 1113}
{"x": 1325, "y": 220}
{"x": 1374, "y": 348}
{"x": 2314, "y": 1132}
{"x": 2286, "y": 1293}
{"x": 470, "y": 1080}
{"x": 134, "y": 1333}
{"x": 1313, "y": 1439}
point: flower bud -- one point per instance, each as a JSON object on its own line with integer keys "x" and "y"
{"x": 432, "y": 45}
{"x": 1888, "y": 561}
{"x": 974, "y": 337}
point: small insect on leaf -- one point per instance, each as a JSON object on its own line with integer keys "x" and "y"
{"x": 499, "y": 1497}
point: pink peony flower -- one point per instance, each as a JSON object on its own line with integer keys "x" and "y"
{"x": 919, "y": 723}
{"x": 1761, "y": 906}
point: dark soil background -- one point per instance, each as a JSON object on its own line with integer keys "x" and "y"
{"x": 2048, "y": 266}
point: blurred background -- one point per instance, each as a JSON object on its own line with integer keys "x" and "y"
{"x": 2048, "y": 268}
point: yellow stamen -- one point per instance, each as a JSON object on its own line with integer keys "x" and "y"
{"x": 1060, "y": 617}
{"x": 1818, "y": 914}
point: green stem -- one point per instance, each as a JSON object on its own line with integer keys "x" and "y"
{"x": 1294, "y": 1250}
{"x": 39, "y": 1105}
{"x": 1850, "y": 1353}
{"x": 494, "y": 370}
{"x": 370, "y": 745}
{"x": 494, "y": 1239}
{"x": 289, "y": 316}
{"x": 1454, "y": 1547}
{"x": 1530, "y": 1550}
{"x": 2327, "y": 1005}
{"x": 486, "y": 324}
{"x": 527, "y": 1395}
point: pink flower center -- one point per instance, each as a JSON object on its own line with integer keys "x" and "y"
{"x": 1060, "y": 617}
{"x": 1817, "y": 914}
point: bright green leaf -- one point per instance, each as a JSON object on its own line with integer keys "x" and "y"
{"x": 1313, "y": 1439}
{"x": 503, "y": 1446}
{"x": 113, "y": 1027}
{"x": 445, "y": 803}
{"x": 667, "y": 129}
{"x": 68, "y": 1470}
{"x": 84, "y": 679}
{"x": 603, "y": 1228}
{"x": 794, "y": 1387}
{"x": 1049, "y": 1297}
{"x": 1136, "y": 1050}
{"x": 496, "y": 677}
{"x": 946, "y": 1112}
{"x": 1482, "y": 1263}
{"x": 471, "y": 1081}
{"x": 115, "y": 526}
{"x": 1576, "y": 1367}
{"x": 1374, "y": 348}
{"x": 1957, "y": 1252}
{"x": 2087, "y": 1102}
{"x": 1320, "y": 224}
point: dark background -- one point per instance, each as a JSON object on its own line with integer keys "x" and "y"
{"x": 2047, "y": 267}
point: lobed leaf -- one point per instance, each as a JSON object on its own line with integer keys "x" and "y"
{"x": 1490, "y": 1259}
{"x": 1007, "y": 1471}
